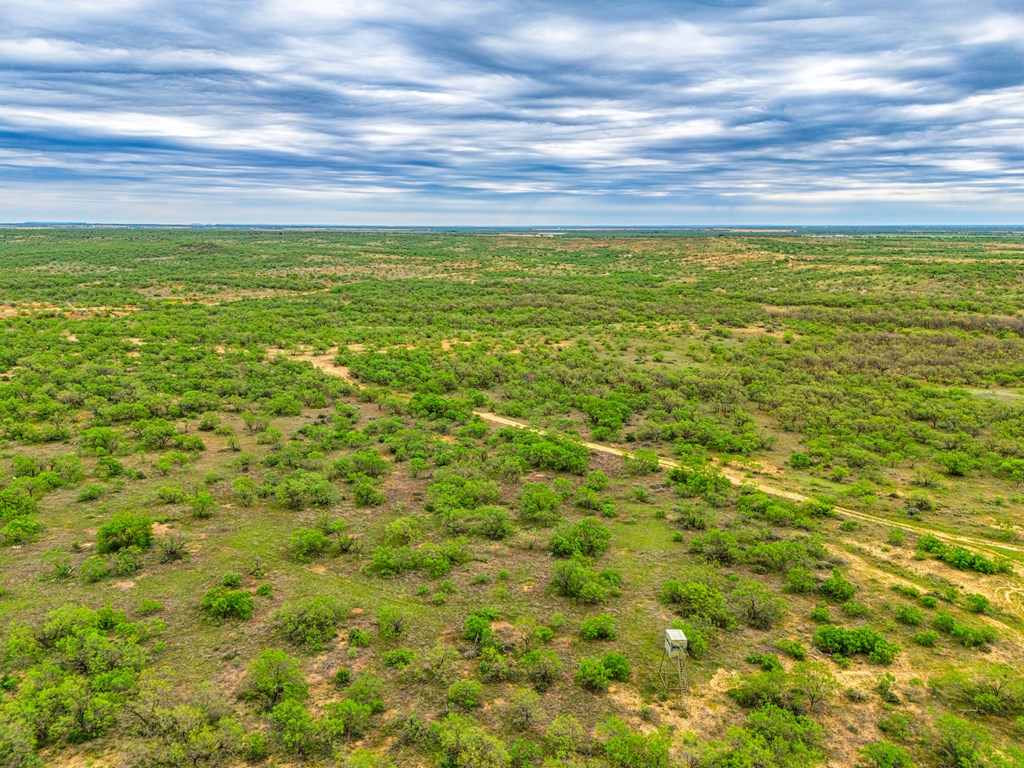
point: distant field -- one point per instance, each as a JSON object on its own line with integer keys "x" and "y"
{"x": 378, "y": 499}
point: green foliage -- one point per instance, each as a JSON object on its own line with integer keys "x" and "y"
{"x": 464, "y": 744}
{"x": 718, "y": 546}
{"x": 836, "y": 640}
{"x": 959, "y": 743}
{"x": 546, "y": 451}
{"x": 756, "y": 605}
{"x": 493, "y": 523}
{"x": 877, "y": 375}
{"x": 625, "y": 749}
{"x": 310, "y": 623}
{"x": 792, "y": 648}
{"x": 695, "y": 599}
{"x": 977, "y": 604}
{"x": 909, "y": 615}
{"x": 391, "y": 622}
{"x": 597, "y": 674}
{"x": 124, "y": 530}
{"x": 465, "y": 694}
{"x": 79, "y": 668}
{"x": 927, "y": 639}
{"x": 367, "y": 690}
{"x": 225, "y": 603}
{"x": 524, "y": 708}
{"x": 305, "y": 544}
{"x": 962, "y": 558}
{"x": 885, "y": 754}
{"x": 273, "y": 677}
{"x": 836, "y": 588}
{"x": 573, "y": 579}
{"x": 768, "y": 662}
{"x": 599, "y": 627}
{"x": 542, "y": 667}
{"x": 641, "y": 462}
{"x": 564, "y": 736}
{"x": 967, "y": 635}
{"x": 585, "y": 537}
{"x": 773, "y": 737}
{"x": 538, "y": 504}
{"x": 398, "y": 658}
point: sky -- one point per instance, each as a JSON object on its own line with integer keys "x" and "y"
{"x": 512, "y": 112}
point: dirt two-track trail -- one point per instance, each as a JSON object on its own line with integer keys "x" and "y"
{"x": 1012, "y": 597}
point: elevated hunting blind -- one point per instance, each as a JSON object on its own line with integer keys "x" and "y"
{"x": 674, "y": 652}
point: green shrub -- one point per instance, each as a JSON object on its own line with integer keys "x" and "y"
{"x": 462, "y": 743}
{"x": 477, "y": 628}
{"x": 885, "y": 754}
{"x": 768, "y": 662}
{"x": 367, "y": 690}
{"x": 538, "y": 504}
{"x": 626, "y": 749}
{"x": 585, "y": 537}
{"x": 493, "y": 523}
{"x": 524, "y": 709}
{"x": 359, "y": 638}
{"x": 641, "y": 462}
{"x": 616, "y": 665}
{"x": 574, "y": 579}
{"x": 542, "y": 667}
{"x": 927, "y": 638}
{"x": 310, "y": 623}
{"x": 698, "y": 600}
{"x": 225, "y": 603}
{"x": 977, "y": 604}
{"x": 564, "y": 736}
{"x": 391, "y": 623}
{"x": 839, "y": 641}
{"x": 124, "y": 530}
{"x": 465, "y": 694}
{"x": 171, "y": 549}
{"x": 304, "y": 544}
{"x": 800, "y": 581}
{"x": 202, "y": 504}
{"x": 597, "y": 674}
{"x": 836, "y": 588}
{"x": 170, "y": 494}
{"x": 792, "y": 648}
{"x": 820, "y": 615}
{"x": 600, "y": 627}
{"x": 148, "y": 606}
{"x": 348, "y": 720}
{"x": 496, "y": 667}
{"x": 756, "y": 605}
{"x": 398, "y": 658}
{"x": 717, "y": 546}
{"x": 93, "y": 569}
{"x": 897, "y": 725}
{"x": 909, "y": 615}
{"x": 127, "y": 561}
{"x": 273, "y": 677}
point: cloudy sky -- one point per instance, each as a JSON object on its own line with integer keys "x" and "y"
{"x": 512, "y": 111}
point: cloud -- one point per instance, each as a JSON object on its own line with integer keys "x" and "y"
{"x": 440, "y": 112}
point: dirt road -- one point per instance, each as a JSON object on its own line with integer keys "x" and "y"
{"x": 326, "y": 364}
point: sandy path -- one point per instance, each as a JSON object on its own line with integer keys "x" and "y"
{"x": 326, "y": 364}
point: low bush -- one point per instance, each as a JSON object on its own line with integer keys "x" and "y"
{"x": 600, "y": 627}
{"x": 225, "y": 603}
{"x": 838, "y": 641}
{"x": 310, "y": 623}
